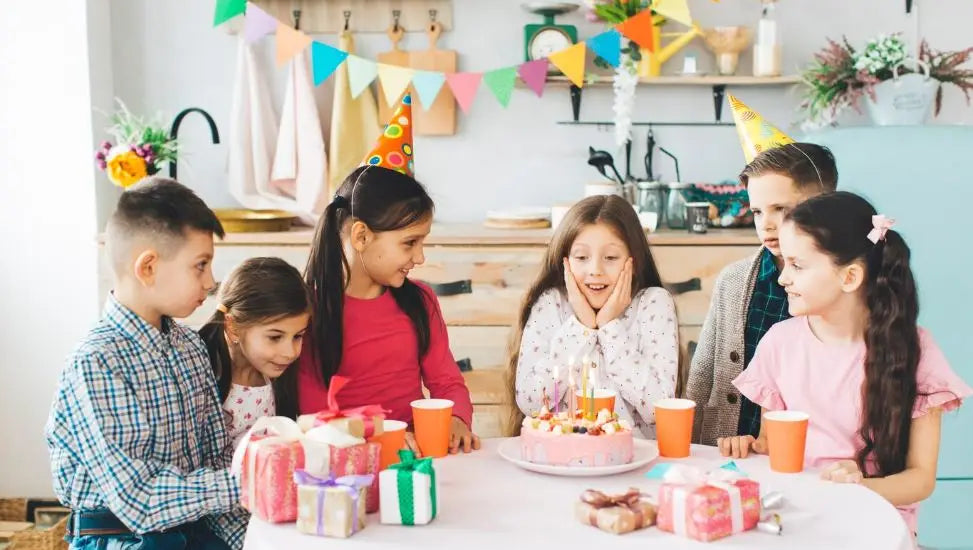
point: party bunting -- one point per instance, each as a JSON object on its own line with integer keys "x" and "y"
{"x": 361, "y": 73}
{"x": 427, "y": 85}
{"x": 228, "y": 9}
{"x": 395, "y": 80}
{"x": 325, "y": 60}
{"x": 501, "y": 83}
{"x": 608, "y": 46}
{"x": 677, "y": 10}
{"x": 258, "y": 23}
{"x": 571, "y": 62}
{"x": 640, "y": 29}
{"x": 534, "y": 74}
{"x": 290, "y": 42}
{"x": 464, "y": 86}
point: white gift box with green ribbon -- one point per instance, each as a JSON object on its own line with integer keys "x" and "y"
{"x": 408, "y": 491}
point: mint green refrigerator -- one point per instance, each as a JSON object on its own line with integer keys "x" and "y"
{"x": 923, "y": 177}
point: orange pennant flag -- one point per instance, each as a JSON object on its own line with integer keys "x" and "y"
{"x": 290, "y": 42}
{"x": 640, "y": 29}
{"x": 571, "y": 62}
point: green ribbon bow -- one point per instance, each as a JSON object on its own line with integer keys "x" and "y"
{"x": 408, "y": 465}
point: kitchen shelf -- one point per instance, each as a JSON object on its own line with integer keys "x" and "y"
{"x": 642, "y": 123}
{"x": 717, "y": 83}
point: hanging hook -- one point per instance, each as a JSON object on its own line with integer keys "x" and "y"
{"x": 395, "y": 19}
{"x": 347, "y": 14}
{"x": 432, "y": 19}
{"x": 297, "y": 19}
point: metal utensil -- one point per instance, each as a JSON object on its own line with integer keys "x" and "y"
{"x": 649, "y": 150}
{"x": 675, "y": 160}
{"x": 601, "y": 160}
{"x": 628, "y": 161}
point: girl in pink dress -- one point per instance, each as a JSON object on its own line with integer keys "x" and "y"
{"x": 253, "y": 339}
{"x": 852, "y": 357}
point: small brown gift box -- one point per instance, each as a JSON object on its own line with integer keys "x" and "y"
{"x": 617, "y": 513}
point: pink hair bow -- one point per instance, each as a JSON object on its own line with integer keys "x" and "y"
{"x": 880, "y": 226}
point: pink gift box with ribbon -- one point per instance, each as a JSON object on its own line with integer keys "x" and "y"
{"x": 359, "y": 460}
{"x": 707, "y": 507}
{"x": 267, "y": 477}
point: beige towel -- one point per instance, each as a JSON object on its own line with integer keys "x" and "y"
{"x": 354, "y": 123}
{"x": 300, "y": 163}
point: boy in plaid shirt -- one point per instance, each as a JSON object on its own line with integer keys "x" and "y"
{"x": 138, "y": 445}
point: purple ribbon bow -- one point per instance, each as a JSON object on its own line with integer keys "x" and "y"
{"x": 353, "y": 484}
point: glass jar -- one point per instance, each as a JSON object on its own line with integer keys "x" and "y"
{"x": 766, "y": 47}
{"x": 651, "y": 197}
{"x": 676, "y": 209}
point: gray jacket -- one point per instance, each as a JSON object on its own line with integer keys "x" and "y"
{"x": 719, "y": 355}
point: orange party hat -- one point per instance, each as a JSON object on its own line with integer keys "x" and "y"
{"x": 756, "y": 134}
{"x": 394, "y": 147}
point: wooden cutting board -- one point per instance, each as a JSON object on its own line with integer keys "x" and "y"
{"x": 440, "y": 119}
{"x": 393, "y": 57}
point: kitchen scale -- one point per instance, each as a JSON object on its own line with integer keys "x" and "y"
{"x": 543, "y": 39}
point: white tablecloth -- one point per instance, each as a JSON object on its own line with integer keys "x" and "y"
{"x": 487, "y": 502}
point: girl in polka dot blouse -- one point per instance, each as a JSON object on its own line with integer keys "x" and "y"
{"x": 599, "y": 296}
{"x": 253, "y": 339}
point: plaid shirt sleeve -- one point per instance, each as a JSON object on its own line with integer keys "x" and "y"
{"x": 146, "y": 495}
{"x": 231, "y": 526}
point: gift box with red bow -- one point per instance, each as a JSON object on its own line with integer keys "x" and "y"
{"x": 364, "y": 422}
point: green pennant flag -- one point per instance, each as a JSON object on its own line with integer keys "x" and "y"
{"x": 228, "y": 9}
{"x": 501, "y": 83}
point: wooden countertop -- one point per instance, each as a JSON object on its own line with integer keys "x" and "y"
{"x": 477, "y": 234}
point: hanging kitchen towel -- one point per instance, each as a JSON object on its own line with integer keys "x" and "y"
{"x": 354, "y": 123}
{"x": 253, "y": 133}
{"x": 300, "y": 163}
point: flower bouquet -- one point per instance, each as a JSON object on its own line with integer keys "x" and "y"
{"x": 141, "y": 147}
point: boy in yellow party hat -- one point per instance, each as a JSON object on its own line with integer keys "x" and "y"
{"x": 372, "y": 323}
{"x": 747, "y": 299}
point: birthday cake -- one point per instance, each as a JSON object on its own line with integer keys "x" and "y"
{"x": 560, "y": 440}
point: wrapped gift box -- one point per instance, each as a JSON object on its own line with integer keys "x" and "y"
{"x": 616, "y": 514}
{"x": 409, "y": 493}
{"x": 331, "y": 507}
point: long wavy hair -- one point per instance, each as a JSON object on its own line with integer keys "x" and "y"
{"x": 839, "y": 223}
{"x": 384, "y": 200}
{"x": 259, "y": 291}
{"x": 617, "y": 214}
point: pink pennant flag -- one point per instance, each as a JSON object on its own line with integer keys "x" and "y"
{"x": 464, "y": 86}
{"x": 534, "y": 74}
{"x": 258, "y": 23}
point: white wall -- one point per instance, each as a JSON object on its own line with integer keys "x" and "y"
{"x": 519, "y": 155}
{"x": 47, "y": 216}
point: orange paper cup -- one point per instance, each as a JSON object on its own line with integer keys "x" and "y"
{"x": 786, "y": 434}
{"x": 392, "y": 439}
{"x": 604, "y": 399}
{"x": 674, "y": 426}
{"x": 431, "y": 418}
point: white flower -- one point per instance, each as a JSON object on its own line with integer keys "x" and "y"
{"x": 624, "y": 83}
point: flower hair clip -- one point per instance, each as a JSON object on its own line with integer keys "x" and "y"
{"x": 880, "y": 226}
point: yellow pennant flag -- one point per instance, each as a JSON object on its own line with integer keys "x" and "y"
{"x": 756, "y": 134}
{"x": 395, "y": 80}
{"x": 571, "y": 62}
{"x": 290, "y": 42}
{"x": 677, "y": 10}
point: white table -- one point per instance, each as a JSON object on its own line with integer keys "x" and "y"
{"x": 487, "y": 502}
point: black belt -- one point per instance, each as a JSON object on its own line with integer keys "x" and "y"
{"x": 94, "y": 523}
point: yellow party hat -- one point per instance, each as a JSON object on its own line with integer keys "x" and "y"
{"x": 756, "y": 134}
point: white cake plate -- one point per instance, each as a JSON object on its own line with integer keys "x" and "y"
{"x": 644, "y": 452}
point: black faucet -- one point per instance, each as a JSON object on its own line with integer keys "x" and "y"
{"x": 174, "y": 132}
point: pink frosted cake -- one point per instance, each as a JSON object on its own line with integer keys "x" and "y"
{"x": 559, "y": 440}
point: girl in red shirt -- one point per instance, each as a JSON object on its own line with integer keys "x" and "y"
{"x": 371, "y": 323}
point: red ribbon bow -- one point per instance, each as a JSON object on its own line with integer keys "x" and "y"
{"x": 333, "y": 412}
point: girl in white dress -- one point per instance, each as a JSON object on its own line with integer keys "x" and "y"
{"x": 599, "y": 296}
{"x": 254, "y": 337}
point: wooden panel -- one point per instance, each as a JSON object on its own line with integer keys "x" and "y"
{"x": 486, "y": 347}
{"x": 487, "y": 387}
{"x": 681, "y": 263}
{"x": 490, "y": 420}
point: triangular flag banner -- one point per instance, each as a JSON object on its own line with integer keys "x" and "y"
{"x": 290, "y": 42}
{"x": 361, "y": 73}
{"x": 608, "y": 46}
{"x": 325, "y": 60}
{"x": 427, "y": 85}
{"x": 258, "y": 23}
{"x": 501, "y": 83}
{"x": 395, "y": 80}
{"x": 639, "y": 28}
{"x": 534, "y": 74}
{"x": 571, "y": 62}
{"x": 677, "y": 10}
{"x": 464, "y": 86}
{"x": 228, "y": 9}
{"x": 394, "y": 147}
{"x": 756, "y": 134}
